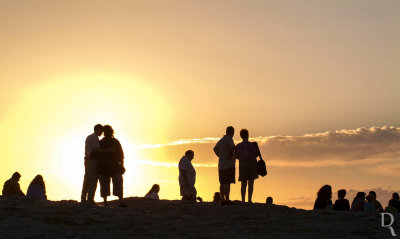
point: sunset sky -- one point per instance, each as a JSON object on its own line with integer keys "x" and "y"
{"x": 315, "y": 82}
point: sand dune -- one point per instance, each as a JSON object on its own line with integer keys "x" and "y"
{"x": 24, "y": 218}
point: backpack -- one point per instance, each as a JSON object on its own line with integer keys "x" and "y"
{"x": 261, "y": 167}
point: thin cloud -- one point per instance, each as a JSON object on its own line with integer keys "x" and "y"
{"x": 366, "y": 146}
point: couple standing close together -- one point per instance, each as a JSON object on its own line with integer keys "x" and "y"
{"x": 104, "y": 160}
{"x": 246, "y": 152}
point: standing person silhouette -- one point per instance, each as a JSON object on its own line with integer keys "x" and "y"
{"x": 224, "y": 149}
{"x": 110, "y": 165}
{"x": 187, "y": 177}
{"x": 247, "y": 154}
{"x": 92, "y": 148}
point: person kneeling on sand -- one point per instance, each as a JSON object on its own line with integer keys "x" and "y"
{"x": 153, "y": 193}
{"x": 37, "y": 189}
{"x": 11, "y": 186}
{"x": 341, "y": 204}
{"x": 323, "y": 200}
{"x": 187, "y": 177}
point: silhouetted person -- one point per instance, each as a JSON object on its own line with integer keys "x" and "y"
{"x": 187, "y": 177}
{"x": 246, "y": 152}
{"x": 110, "y": 165}
{"x": 11, "y": 186}
{"x": 224, "y": 149}
{"x": 153, "y": 193}
{"x": 324, "y": 196}
{"x": 217, "y": 197}
{"x": 358, "y": 202}
{"x": 37, "y": 189}
{"x": 395, "y": 196}
{"x": 341, "y": 204}
{"x": 269, "y": 200}
{"x": 378, "y": 205}
{"x": 391, "y": 208}
{"x": 369, "y": 206}
{"x": 92, "y": 146}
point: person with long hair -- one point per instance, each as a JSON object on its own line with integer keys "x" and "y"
{"x": 324, "y": 196}
{"x": 110, "y": 165}
{"x": 358, "y": 202}
{"x": 37, "y": 189}
{"x": 153, "y": 193}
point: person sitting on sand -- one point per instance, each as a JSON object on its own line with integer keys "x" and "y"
{"x": 224, "y": 149}
{"x": 110, "y": 165}
{"x": 187, "y": 177}
{"x": 269, "y": 200}
{"x": 369, "y": 206}
{"x": 341, "y": 204}
{"x": 11, "y": 186}
{"x": 358, "y": 202}
{"x": 391, "y": 208}
{"x": 153, "y": 193}
{"x": 37, "y": 189}
{"x": 395, "y": 196}
{"x": 246, "y": 152}
{"x": 378, "y": 205}
{"x": 324, "y": 196}
{"x": 217, "y": 197}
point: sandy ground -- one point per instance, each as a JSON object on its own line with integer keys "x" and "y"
{"x": 144, "y": 218}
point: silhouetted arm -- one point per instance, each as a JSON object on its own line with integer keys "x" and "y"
{"x": 216, "y": 149}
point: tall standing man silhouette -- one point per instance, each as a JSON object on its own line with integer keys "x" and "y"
{"x": 224, "y": 149}
{"x": 92, "y": 146}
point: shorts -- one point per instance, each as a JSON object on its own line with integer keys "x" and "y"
{"x": 226, "y": 176}
{"x": 248, "y": 170}
{"x": 117, "y": 181}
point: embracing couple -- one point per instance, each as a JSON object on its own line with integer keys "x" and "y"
{"x": 104, "y": 160}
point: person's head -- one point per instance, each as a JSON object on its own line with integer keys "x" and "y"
{"x": 189, "y": 154}
{"x": 360, "y": 195}
{"x": 230, "y": 131}
{"x": 98, "y": 129}
{"x": 325, "y": 192}
{"x": 395, "y": 196}
{"x": 341, "y": 193}
{"x": 217, "y": 197}
{"x": 373, "y": 193}
{"x": 269, "y": 200}
{"x": 38, "y": 180}
{"x": 369, "y": 197}
{"x": 16, "y": 176}
{"x": 392, "y": 203}
{"x": 244, "y": 134}
{"x": 108, "y": 131}
{"x": 154, "y": 188}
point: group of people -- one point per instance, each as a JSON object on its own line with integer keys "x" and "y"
{"x": 36, "y": 189}
{"x": 361, "y": 202}
{"x": 246, "y": 152}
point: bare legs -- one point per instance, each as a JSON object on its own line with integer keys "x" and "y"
{"x": 243, "y": 190}
{"x": 225, "y": 190}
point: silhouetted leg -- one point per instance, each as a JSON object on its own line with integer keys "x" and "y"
{"x": 228, "y": 191}
{"x": 85, "y": 186}
{"x": 92, "y": 178}
{"x": 243, "y": 190}
{"x": 251, "y": 186}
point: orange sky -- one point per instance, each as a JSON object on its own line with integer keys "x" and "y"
{"x": 159, "y": 72}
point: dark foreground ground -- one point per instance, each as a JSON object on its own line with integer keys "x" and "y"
{"x": 23, "y": 218}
